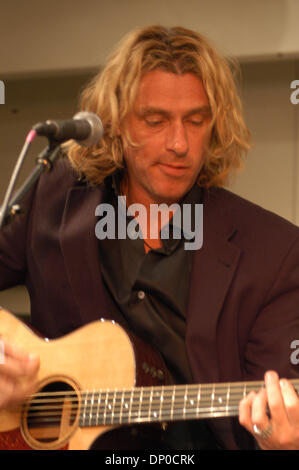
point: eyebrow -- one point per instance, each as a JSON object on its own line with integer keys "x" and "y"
{"x": 155, "y": 110}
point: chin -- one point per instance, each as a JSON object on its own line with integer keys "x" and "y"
{"x": 170, "y": 197}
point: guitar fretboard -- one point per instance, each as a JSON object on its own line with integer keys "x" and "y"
{"x": 165, "y": 403}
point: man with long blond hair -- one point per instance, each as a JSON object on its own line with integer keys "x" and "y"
{"x": 227, "y": 311}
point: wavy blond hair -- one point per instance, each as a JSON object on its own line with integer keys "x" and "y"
{"x": 112, "y": 92}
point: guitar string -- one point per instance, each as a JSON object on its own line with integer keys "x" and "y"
{"x": 120, "y": 395}
{"x": 165, "y": 404}
{"x": 167, "y": 407}
{"x": 156, "y": 392}
{"x": 126, "y": 394}
{"x": 154, "y": 416}
{"x": 136, "y": 412}
{"x": 153, "y": 394}
{"x": 167, "y": 391}
{"x": 170, "y": 388}
{"x": 155, "y": 401}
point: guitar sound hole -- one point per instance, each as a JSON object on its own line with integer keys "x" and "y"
{"x": 50, "y": 416}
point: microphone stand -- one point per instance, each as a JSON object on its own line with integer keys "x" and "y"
{"x": 44, "y": 162}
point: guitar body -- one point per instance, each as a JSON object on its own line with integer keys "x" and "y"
{"x": 100, "y": 355}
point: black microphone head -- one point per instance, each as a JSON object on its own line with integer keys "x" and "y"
{"x": 96, "y": 128}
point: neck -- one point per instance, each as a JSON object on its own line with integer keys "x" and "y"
{"x": 148, "y": 225}
{"x": 165, "y": 403}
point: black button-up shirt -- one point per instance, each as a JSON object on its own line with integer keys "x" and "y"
{"x": 150, "y": 292}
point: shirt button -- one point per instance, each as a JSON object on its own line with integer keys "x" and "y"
{"x": 141, "y": 295}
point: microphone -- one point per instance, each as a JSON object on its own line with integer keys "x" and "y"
{"x": 85, "y": 128}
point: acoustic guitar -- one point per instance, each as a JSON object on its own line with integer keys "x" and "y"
{"x": 100, "y": 378}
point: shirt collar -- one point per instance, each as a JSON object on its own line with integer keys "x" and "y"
{"x": 172, "y": 233}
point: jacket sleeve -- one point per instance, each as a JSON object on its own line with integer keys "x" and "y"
{"x": 13, "y": 241}
{"x": 273, "y": 341}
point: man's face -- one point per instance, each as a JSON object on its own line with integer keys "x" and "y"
{"x": 169, "y": 122}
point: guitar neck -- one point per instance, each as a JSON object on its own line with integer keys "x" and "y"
{"x": 165, "y": 403}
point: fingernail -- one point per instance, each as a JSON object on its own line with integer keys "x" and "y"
{"x": 271, "y": 377}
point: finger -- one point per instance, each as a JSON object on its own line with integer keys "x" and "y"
{"x": 15, "y": 361}
{"x": 275, "y": 399}
{"x": 17, "y": 368}
{"x": 7, "y": 387}
{"x": 12, "y": 392}
{"x": 245, "y": 408}
{"x": 291, "y": 401}
{"x": 259, "y": 415}
{"x": 23, "y": 389}
{"x": 13, "y": 351}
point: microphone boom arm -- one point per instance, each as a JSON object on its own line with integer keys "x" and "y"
{"x": 44, "y": 162}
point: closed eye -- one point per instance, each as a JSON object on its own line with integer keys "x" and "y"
{"x": 196, "y": 122}
{"x": 154, "y": 123}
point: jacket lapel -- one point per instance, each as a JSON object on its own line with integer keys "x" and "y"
{"x": 214, "y": 266}
{"x": 79, "y": 247}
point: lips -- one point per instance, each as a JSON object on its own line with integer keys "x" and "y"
{"x": 173, "y": 170}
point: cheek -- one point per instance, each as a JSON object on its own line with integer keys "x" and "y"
{"x": 136, "y": 162}
{"x": 142, "y": 156}
{"x": 200, "y": 149}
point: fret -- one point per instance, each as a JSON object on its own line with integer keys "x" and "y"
{"x": 192, "y": 398}
{"x": 172, "y": 402}
{"x": 220, "y": 406}
{"x": 161, "y": 402}
{"x": 91, "y": 408}
{"x": 150, "y": 404}
{"x": 84, "y": 409}
{"x": 113, "y": 406}
{"x": 185, "y": 400}
{"x": 206, "y": 401}
{"x": 121, "y": 406}
{"x": 139, "y": 418}
{"x": 145, "y": 405}
{"x": 130, "y": 405}
{"x": 227, "y": 399}
{"x": 155, "y": 403}
{"x": 98, "y": 409}
{"x": 127, "y": 406}
{"x": 198, "y": 401}
{"x": 212, "y": 399}
{"x": 219, "y": 402}
{"x": 110, "y": 407}
{"x": 105, "y": 407}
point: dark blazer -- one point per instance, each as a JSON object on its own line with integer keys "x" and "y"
{"x": 243, "y": 309}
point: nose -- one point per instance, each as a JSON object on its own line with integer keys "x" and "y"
{"x": 177, "y": 140}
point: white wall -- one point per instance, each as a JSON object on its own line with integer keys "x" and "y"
{"x": 59, "y": 35}
{"x": 271, "y": 175}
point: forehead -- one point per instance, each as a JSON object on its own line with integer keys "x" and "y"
{"x": 166, "y": 90}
